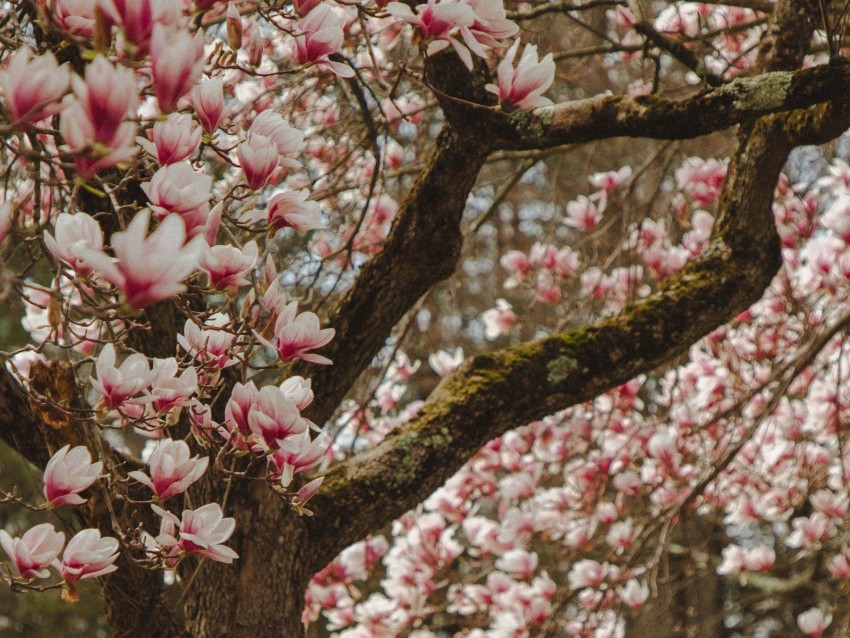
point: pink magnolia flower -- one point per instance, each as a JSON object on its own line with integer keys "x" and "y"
{"x": 295, "y": 334}
{"x": 287, "y": 139}
{"x": 91, "y": 154}
{"x": 242, "y": 399}
{"x": 87, "y": 555}
{"x": 321, "y": 35}
{"x": 33, "y": 552}
{"x": 177, "y": 60}
{"x": 839, "y": 567}
{"x": 202, "y": 531}
{"x": 75, "y": 17}
{"x": 143, "y": 280}
{"x": 444, "y": 362}
{"x": 170, "y": 391}
{"x": 67, "y": 473}
{"x": 258, "y": 159}
{"x": 172, "y": 470}
{"x": 523, "y": 87}
{"x": 298, "y": 390}
{"x": 228, "y": 266}
{"x": 491, "y": 23}
{"x": 307, "y": 491}
{"x": 809, "y": 530}
{"x": 210, "y": 346}
{"x": 253, "y": 43}
{"x": 292, "y": 209}
{"x": 298, "y": 454}
{"x": 107, "y": 96}
{"x": 274, "y": 299}
{"x": 634, "y": 594}
{"x": 208, "y": 100}
{"x": 117, "y": 385}
{"x": 174, "y": 139}
{"x": 498, "y": 320}
{"x": 273, "y": 417}
{"x": 702, "y": 179}
{"x": 32, "y": 86}
{"x": 518, "y": 265}
{"x": 73, "y": 234}
{"x": 518, "y": 563}
{"x": 587, "y": 573}
{"x": 583, "y": 214}
{"x": 439, "y": 24}
{"x": 178, "y": 188}
{"x": 234, "y": 27}
{"x": 814, "y": 622}
{"x": 609, "y": 180}
{"x": 137, "y": 18}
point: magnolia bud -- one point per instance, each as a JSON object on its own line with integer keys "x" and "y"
{"x": 234, "y": 28}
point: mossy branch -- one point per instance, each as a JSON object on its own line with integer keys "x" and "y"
{"x": 652, "y": 116}
{"x": 493, "y": 393}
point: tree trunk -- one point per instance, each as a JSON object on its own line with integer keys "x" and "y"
{"x": 264, "y": 596}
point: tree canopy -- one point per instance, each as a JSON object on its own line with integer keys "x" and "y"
{"x": 617, "y": 230}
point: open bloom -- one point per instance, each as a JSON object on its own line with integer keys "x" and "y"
{"x": 93, "y": 125}
{"x": 178, "y": 188}
{"x": 69, "y": 472}
{"x": 498, "y": 320}
{"x": 523, "y": 87}
{"x": 91, "y": 154}
{"x": 292, "y": 209}
{"x": 440, "y": 24}
{"x": 33, "y": 86}
{"x": 73, "y": 233}
{"x": 174, "y": 139}
{"x": 295, "y": 334}
{"x": 172, "y": 470}
{"x": 87, "y": 555}
{"x": 117, "y": 384}
{"x": 273, "y": 417}
{"x": 287, "y": 139}
{"x": 169, "y": 390}
{"x": 34, "y": 551}
{"x": 202, "y": 531}
{"x": 299, "y": 454}
{"x": 143, "y": 280}
{"x": 321, "y": 35}
{"x": 813, "y": 622}
{"x": 229, "y": 266}
{"x": 211, "y": 347}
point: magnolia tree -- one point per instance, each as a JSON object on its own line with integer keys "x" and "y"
{"x": 226, "y": 226}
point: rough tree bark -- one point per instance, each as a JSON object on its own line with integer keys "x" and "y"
{"x": 262, "y": 593}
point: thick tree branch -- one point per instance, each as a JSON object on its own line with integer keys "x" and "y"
{"x": 490, "y": 394}
{"x": 652, "y": 116}
{"x": 423, "y": 246}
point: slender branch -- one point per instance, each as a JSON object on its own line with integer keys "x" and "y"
{"x": 561, "y": 7}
